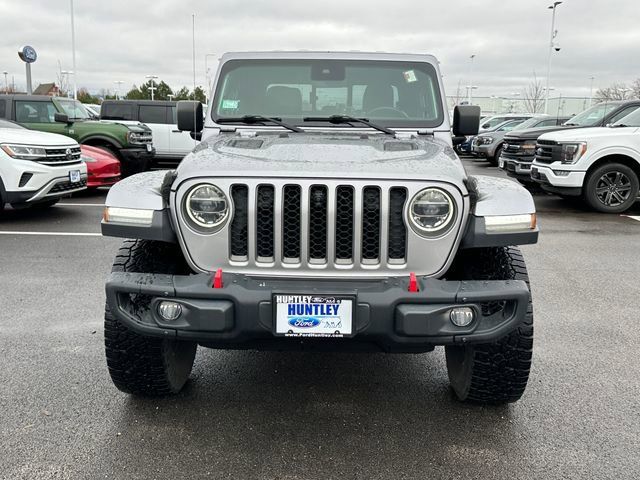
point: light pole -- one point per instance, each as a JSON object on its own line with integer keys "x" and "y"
{"x": 66, "y": 73}
{"x": 6, "y": 82}
{"x": 152, "y": 88}
{"x": 207, "y": 75}
{"x": 170, "y": 97}
{"x": 470, "y": 87}
{"x": 118, "y": 86}
{"x": 591, "y": 90}
{"x": 554, "y": 32}
{"x": 73, "y": 53}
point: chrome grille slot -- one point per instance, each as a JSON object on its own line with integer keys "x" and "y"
{"x": 371, "y": 224}
{"x": 291, "y": 222}
{"x": 344, "y": 223}
{"x": 265, "y": 223}
{"x": 318, "y": 222}
{"x": 397, "y": 228}
{"x": 239, "y": 247}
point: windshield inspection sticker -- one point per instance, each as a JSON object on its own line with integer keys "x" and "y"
{"x": 230, "y": 104}
{"x": 410, "y": 76}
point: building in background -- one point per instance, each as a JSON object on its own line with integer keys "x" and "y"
{"x": 558, "y": 106}
{"x": 50, "y": 89}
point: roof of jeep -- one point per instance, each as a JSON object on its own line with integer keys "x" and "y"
{"x": 23, "y": 96}
{"x": 329, "y": 55}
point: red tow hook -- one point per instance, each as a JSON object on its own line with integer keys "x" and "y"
{"x": 217, "y": 279}
{"x": 413, "y": 283}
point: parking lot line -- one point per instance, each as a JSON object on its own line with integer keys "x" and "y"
{"x": 634, "y": 217}
{"x": 81, "y": 204}
{"x": 60, "y": 234}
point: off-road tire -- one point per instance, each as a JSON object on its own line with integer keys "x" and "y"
{"x": 147, "y": 366}
{"x": 591, "y": 196}
{"x": 492, "y": 373}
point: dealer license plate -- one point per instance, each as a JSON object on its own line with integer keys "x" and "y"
{"x": 501, "y": 162}
{"x": 74, "y": 176}
{"x": 149, "y": 147}
{"x": 313, "y": 315}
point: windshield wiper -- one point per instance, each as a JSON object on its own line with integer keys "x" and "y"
{"x": 259, "y": 119}
{"x": 346, "y": 119}
{"x": 620, "y": 125}
{"x": 572, "y": 124}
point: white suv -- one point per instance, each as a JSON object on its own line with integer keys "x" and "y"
{"x": 600, "y": 164}
{"x": 38, "y": 168}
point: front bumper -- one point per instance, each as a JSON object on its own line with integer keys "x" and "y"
{"x": 56, "y": 188}
{"x": 517, "y": 168}
{"x": 136, "y": 159}
{"x": 387, "y": 317}
{"x": 558, "y": 181}
{"x": 487, "y": 150}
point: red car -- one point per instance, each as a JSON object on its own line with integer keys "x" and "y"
{"x": 103, "y": 167}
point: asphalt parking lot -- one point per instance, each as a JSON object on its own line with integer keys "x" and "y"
{"x": 294, "y": 416}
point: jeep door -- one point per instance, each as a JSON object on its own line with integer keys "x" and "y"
{"x": 39, "y": 115}
{"x": 155, "y": 117}
{"x": 181, "y": 142}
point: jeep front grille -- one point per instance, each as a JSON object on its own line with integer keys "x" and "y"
{"x": 318, "y": 224}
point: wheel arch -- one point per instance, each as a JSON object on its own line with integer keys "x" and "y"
{"x": 101, "y": 141}
{"x": 622, "y": 158}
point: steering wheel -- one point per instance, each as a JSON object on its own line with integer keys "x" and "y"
{"x": 395, "y": 113}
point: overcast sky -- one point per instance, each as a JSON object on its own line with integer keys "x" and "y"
{"x": 126, "y": 40}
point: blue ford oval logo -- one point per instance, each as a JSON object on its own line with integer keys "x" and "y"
{"x": 307, "y": 322}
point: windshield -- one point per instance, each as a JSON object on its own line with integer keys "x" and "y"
{"x": 8, "y": 124}
{"x": 508, "y": 126}
{"x": 532, "y": 122}
{"x": 631, "y": 120}
{"x": 592, "y": 116}
{"x": 74, "y": 109}
{"x": 395, "y": 94}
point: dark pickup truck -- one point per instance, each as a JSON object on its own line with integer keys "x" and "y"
{"x": 519, "y": 148}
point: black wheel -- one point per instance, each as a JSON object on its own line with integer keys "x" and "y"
{"x": 496, "y": 156}
{"x": 611, "y": 188}
{"x": 142, "y": 365}
{"x": 493, "y": 373}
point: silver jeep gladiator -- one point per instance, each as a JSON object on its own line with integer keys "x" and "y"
{"x": 324, "y": 209}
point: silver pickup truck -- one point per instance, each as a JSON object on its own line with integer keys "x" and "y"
{"x": 323, "y": 209}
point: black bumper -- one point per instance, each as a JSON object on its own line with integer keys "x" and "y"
{"x": 135, "y": 160}
{"x": 387, "y": 317}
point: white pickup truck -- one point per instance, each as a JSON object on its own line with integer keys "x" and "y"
{"x": 600, "y": 164}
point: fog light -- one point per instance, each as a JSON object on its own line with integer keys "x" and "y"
{"x": 461, "y": 316}
{"x": 169, "y": 311}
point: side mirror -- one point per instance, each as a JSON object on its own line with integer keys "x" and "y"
{"x": 61, "y": 118}
{"x": 190, "y": 116}
{"x": 466, "y": 120}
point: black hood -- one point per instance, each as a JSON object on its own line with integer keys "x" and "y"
{"x": 534, "y": 133}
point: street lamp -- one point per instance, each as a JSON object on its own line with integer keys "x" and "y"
{"x": 6, "y": 82}
{"x": 73, "y": 53}
{"x": 152, "y": 88}
{"x": 591, "y": 90}
{"x": 208, "y": 77}
{"x": 66, "y": 73}
{"x": 118, "y": 86}
{"x": 469, "y": 93}
{"x": 170, "y": 97}
{"x": 470, "y": 89}
{"x": 552, "y": 45}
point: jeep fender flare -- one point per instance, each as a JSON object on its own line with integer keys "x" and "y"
{"x": 101, "y": 140}
{"x": 143, "y": 191}
{"x": 497, "y": 197}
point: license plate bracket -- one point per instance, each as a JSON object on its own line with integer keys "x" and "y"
{"x": 313, "y": 315}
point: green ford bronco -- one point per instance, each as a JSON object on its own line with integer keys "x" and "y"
{"x": 132, "y": 144}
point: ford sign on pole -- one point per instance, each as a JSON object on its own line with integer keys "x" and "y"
{"x": 28, "y": 55}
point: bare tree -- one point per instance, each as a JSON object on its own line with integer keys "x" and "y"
{"x": 636, "y": 88}
{"x": 617, "y": 91}
{"x": 458, "y": 95}
{"x": 533, "y": 97}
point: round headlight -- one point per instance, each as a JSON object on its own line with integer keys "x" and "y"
{"x": 207, "y": 206}
{"x": 431, "y": 212}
